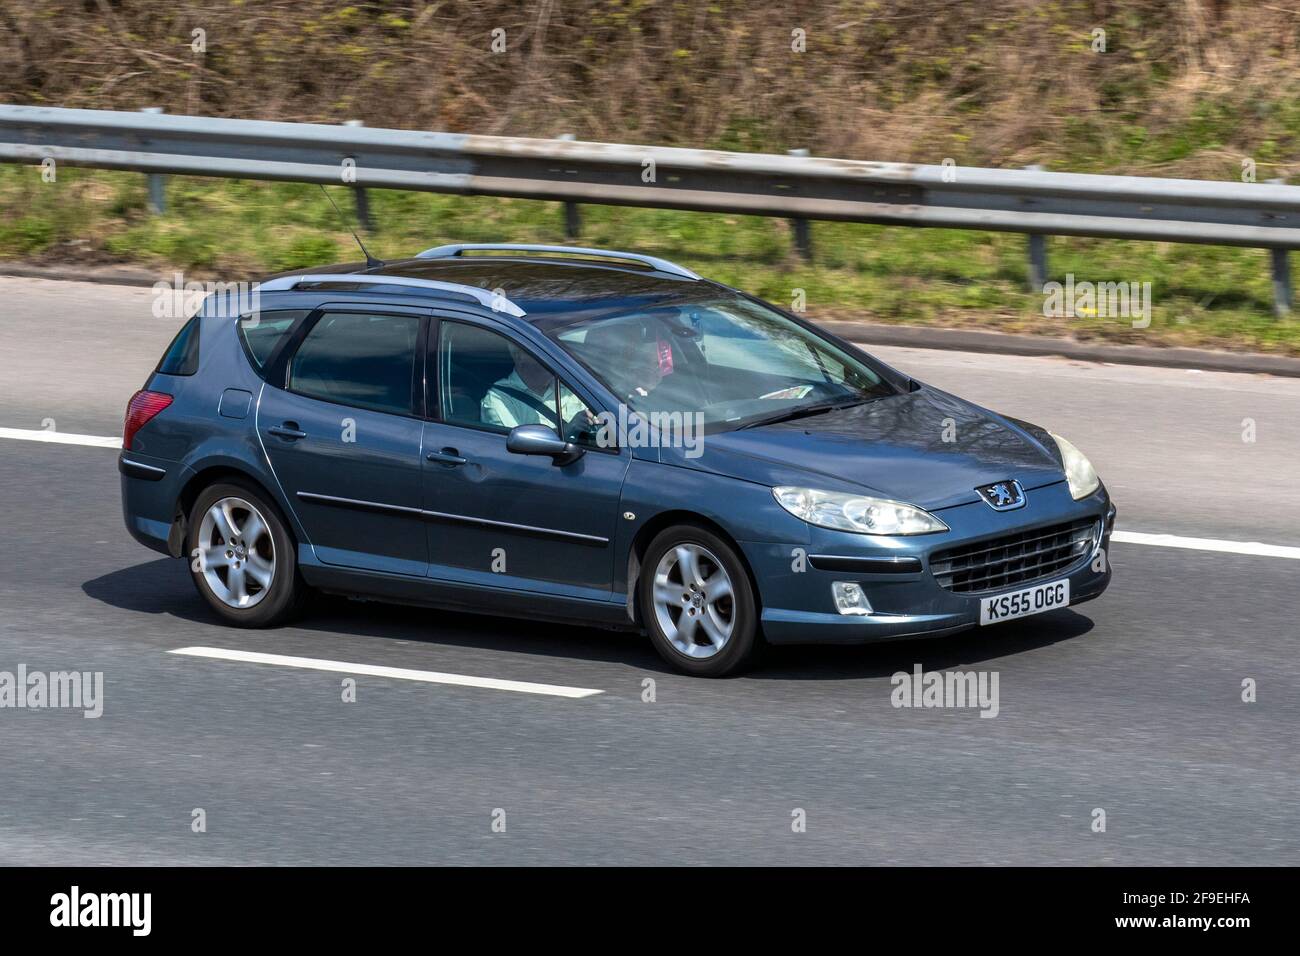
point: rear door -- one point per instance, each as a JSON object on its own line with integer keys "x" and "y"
{"x": 344, "y": 435}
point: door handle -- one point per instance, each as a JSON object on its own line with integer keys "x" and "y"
{"x": 288, "y": 431}
{"x": 447, "y": 456}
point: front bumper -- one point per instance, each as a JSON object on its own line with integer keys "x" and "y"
{"x": 905, "y": 598}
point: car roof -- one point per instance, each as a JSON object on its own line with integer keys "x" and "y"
{"x": 541, "y": 287}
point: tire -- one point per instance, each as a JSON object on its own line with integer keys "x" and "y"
{"x": 704, "y": 621}
{"x": 266, "y": 589}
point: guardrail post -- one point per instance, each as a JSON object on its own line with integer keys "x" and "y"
{"x": 157, "y": 181}
{"x": 362, "y": 197}
{"x": 800, "y": 227}
{"x": 1037, "y": 261}
{"x": 572, "y": 216}
{"x": 1282, "y": 299}
{"x": 1037, "y": 253}
{"x": 1281, "y": 281}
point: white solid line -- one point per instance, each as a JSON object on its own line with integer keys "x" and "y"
{"x": 1206, "y": 544}
{"x": 397, "y": 673}
{"x": 61, "y": 438}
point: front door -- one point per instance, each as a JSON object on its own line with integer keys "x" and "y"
{"x": 502, "y": 519}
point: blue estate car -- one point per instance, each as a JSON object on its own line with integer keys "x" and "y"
{"x": 592, "y": 436}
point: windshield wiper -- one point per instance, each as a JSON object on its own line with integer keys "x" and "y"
{"x": 804, "y": 411}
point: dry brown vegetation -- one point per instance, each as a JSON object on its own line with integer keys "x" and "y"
{"x": 1185, "y": 87}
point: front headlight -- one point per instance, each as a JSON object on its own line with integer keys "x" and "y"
{"x": 860, "y": 513}
{"x": 1078, "y": 469}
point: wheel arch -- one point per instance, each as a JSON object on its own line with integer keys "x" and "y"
{"x": 651, "y": 529}
{"x": 208, "y": 475}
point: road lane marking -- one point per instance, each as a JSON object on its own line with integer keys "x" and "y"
{"x": 1206, "y": 544}
{"x": 61, "y": 438}
{"x": 397, "y": 673}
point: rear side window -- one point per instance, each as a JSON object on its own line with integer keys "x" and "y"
{"x": 262, "y": 332}
{"x": 182, "y": 356}
{"x": 359, "y": 359}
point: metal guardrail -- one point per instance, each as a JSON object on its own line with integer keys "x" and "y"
{"x": 1034, "y": 202}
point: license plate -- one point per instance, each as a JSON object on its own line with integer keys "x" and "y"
{"x": 1034, "y": 600}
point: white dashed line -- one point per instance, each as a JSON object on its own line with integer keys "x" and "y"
{"x": 1206, "y": 544}
{"x": 396, "y": 673}
{"x": 61, "y": 438}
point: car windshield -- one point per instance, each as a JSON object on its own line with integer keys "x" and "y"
{"x": 734, "y": 361}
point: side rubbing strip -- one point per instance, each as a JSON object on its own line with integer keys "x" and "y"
{"x": 525, "y": 528}
{"x": 377, "y": 506}
{"x": 356, "y": 504}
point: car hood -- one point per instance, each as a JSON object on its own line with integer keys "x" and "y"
{"x": 925, "y": 447}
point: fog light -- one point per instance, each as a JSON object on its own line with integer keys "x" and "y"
{"x": 849, "y": 598}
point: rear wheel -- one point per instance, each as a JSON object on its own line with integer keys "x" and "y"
{"x": 242, "y": 558}
{"x": 697, "y": 603}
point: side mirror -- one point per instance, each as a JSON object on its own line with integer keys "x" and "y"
{"x": 540, "y": 440}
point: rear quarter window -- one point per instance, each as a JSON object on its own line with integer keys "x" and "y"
{"x": 182, "y": 356}
{"x": 262, "y": 332}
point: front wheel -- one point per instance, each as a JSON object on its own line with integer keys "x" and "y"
{"x": 242, "y": 557}
{"x": 697, "y": 603}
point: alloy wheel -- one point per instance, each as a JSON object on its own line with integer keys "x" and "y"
{"x": 693, "y": 601}
{"x": 236, "y": 553}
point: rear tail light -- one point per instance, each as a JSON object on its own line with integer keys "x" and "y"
{"x": 143, "y": 406}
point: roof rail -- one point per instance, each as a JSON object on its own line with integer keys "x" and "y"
{"x": 659, "y": 265}
{"x": 485, "y": 297}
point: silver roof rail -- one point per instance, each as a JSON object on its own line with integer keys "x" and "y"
{"x": 659, "y": 265}
{"x": 486, "y": 297}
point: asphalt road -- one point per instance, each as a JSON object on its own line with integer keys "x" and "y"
{"x": 1131, "y": 703}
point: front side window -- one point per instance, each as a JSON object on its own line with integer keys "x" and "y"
{"x": 359, "y": 359}
{"x": 488, "y": 381}
{"x": 729, "y": 359}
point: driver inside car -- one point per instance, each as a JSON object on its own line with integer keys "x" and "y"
{"x": 527, "y": 396}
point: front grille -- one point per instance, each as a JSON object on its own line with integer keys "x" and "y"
{"x": 1019, "y": 558}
